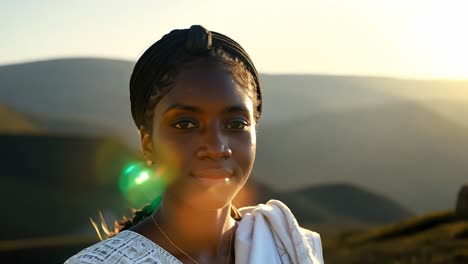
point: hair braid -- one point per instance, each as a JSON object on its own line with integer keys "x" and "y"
{"x": 125, "y": 223}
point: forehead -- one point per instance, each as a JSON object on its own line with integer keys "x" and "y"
{"x": 211, "y": 88}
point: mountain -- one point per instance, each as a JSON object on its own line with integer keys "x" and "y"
{"x": 405, "y": 139}
{"x": 86, "y": 91}
{"x": 299, "y": 96}
{"x": 341, "y": 201}
{"x": 402, "y": 151}
{"x": 14, "y": 122}
{"x": 335, "y": 204}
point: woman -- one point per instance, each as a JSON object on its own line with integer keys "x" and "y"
{"x": 195, "y": 98}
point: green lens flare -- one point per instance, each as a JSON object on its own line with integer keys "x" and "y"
{"x": 130, "y": 168}
{"x": 144, "y": 176}
{"x": 140, "y": 184}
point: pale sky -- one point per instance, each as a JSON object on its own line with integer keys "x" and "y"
{"x": 397, "y": 38}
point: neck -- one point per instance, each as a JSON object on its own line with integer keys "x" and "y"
{"x": 205, "y": 233}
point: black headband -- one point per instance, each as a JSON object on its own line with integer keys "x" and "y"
{"x": 154, "y": 62}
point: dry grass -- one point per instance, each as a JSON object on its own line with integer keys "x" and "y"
{"x": 434, "y": 238}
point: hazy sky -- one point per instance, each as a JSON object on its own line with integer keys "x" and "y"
{"x": 412, "y": 38}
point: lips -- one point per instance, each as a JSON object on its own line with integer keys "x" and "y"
{"x": 212, "y": 177}
{"x": 212, "y": 173}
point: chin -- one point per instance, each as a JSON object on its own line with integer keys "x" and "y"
{"x": 210, "y": 200}
{"x": 205, "y": 195}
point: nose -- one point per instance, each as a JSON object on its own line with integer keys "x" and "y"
{"x": 214, "y": 145}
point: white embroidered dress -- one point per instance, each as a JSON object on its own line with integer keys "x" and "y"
{"x": 127, "y": 247}
{"x": 267, "y": 233}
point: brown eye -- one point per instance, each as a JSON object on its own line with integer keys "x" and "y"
{"x": 237, "y": 124}
{"x": 184, "y": 124}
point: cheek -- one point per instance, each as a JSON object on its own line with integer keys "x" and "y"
{"x": 168, "y": 155}
{"x": 170, "y": 161}
{"x": 244, "y": 152}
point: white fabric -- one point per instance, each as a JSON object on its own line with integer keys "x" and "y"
{"x": 266, "y": 234}
{"x": 127, "y": 247}
{"x": 269, "y": 233}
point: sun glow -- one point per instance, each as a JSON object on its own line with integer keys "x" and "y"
{"x": 399, "y": 38}
{"x": 445, "y": 39}
{"x": 432, "y": 34}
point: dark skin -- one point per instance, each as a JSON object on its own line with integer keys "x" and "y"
{"x": 203, "y": 134}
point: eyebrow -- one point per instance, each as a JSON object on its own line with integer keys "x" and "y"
{"x": 183, "y": 107}
{"x": 236, "y": 108}
{"x": 232, "y": 109}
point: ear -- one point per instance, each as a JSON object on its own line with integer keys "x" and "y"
{"x": 146, "y": 143}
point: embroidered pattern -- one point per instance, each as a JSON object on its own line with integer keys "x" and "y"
{"x": 127, "y": 247}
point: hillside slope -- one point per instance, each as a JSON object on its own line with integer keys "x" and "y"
{"x": 434, "y": 238}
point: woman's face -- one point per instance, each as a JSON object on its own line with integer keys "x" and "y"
{"x": 204, "y": 137}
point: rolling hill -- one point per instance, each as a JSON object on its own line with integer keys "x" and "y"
{"x": 14, "y": 122}
{"x": 339, "y": 204}
{"x": 437, "y": 237}
{"x": 402, "y": 151}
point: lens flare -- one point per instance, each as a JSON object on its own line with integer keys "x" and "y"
{"x": 140, "y": 184}
{"x": 130, "y": 168}
{"x": 144, "y": 176}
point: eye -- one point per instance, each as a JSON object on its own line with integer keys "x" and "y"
{"x": 184, "y": 124}
{"x": 237, "y": 124}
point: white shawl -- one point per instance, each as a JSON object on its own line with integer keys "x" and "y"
{"x": 269, "y": 233}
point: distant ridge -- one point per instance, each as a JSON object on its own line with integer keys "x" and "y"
{"x": 84, "y": 90}
{"x": 14, "y": 122}
{"x": 58, "y": 59}
{"x": 330, "y": 204}
{"x": 344, "y": 200}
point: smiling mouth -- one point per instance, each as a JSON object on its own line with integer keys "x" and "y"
{"x": 212, "y": 176}
{"x": 213, "y": 173}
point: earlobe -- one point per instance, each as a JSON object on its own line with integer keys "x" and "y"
{"x": 146, "y": 143}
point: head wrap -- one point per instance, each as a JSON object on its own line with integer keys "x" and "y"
{"x": 154, "y": 62}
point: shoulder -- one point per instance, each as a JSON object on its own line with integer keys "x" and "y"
{"x": 311, "y": 236}
{"x": 315, "y": 242}
{"x": 125, "y": 247}
{"x": 283, "y": 225}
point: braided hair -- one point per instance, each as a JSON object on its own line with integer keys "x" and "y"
{"x": 155, "y": 71}
{"x": 154, "y": 74}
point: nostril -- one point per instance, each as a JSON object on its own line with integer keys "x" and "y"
{"x": 223, "y": 152}
{"x": 226, "y": 152}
